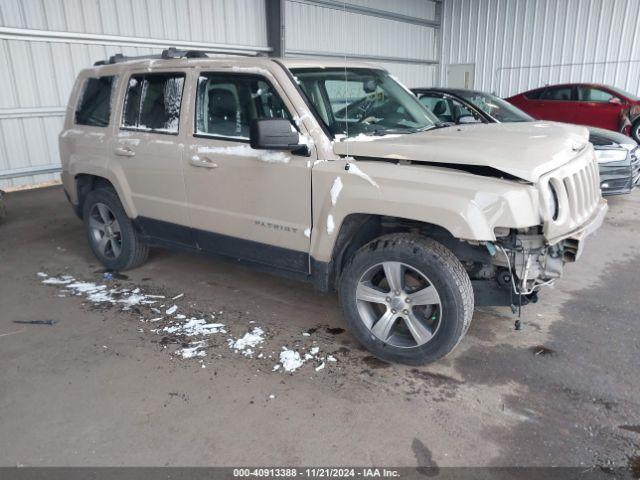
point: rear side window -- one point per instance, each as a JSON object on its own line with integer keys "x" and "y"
{"x": 226, "y": 104}
{"x": 557, "y": 93}
{"x": 94, "y": 105}
{"x": 534, "y": 94}
{"x": 152, "y": 102}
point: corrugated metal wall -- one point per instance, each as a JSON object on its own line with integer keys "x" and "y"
{"x": 44, "y": 43}
{"x": 408, "y": 48}
{"x": 517, "y": 45}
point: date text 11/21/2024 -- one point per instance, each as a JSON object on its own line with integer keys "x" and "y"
{"x": 316, "y": 472}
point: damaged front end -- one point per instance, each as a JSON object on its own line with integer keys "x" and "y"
{"x": 524, "y": 263}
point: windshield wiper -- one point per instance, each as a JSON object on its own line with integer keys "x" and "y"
{"x": 435, "y": 126}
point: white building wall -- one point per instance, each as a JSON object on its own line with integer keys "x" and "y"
{"x": 317, "y": 29}
{"x": 44, "y": 43}
{"x": 517, "y": 45}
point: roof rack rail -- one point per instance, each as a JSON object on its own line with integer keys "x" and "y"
{"x": 170, "y": 53}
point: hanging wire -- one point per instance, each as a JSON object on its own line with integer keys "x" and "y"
{"x": 344, "y": 46}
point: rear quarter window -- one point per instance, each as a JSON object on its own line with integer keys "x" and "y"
{"x": 94, "y": 103}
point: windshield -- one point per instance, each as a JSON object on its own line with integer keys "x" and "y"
{"x": 495, "y": 107}
{"x": 358, "y": 101}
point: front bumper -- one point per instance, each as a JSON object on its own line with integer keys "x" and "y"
{"x": 574, "y": 243}
{"x": 617, "y": 178}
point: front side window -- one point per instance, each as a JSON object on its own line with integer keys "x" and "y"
{"x": 557, "y": 93}
{"x": 226, "y": 104}
{"x": 588, "y": 94}
{"x": 94, "y": 105}
{"x": 360, "y": 100}
{"x": 152, "y": 102}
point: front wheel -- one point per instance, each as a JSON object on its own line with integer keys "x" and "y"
{"x": 110, "y": 232}
{"x": 406, "y": 298}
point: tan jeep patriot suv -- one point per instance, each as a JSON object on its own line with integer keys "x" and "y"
{"x": 331, "y": 174}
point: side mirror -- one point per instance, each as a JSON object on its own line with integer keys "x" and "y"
{"x": 273, "y": 134}
{"x": 467, "y": 119}
{"x": 615, "y": 101}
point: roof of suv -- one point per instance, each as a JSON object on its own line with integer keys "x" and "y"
{"x": 238, "y": 61}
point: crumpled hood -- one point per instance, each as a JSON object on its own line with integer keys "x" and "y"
{"x": 525, "y": 150}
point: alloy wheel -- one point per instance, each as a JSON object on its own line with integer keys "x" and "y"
{"x": 398, "y": 304}
{"x": 105, "y": 231}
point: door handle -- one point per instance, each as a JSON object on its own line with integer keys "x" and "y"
{"x": 203, "y": 162}
{"x": 124, "y": 152}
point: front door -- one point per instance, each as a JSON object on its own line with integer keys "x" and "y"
{"x": 598, "y": 108}
{"x": 249, "y": 204}
{"x": 147, "y": 154}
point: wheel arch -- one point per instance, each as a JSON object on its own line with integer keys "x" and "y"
{"x": 358, "y": 229}
{"x": 87, "y": 182}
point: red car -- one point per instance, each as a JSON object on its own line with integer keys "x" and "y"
{"x": 585, "y": 104}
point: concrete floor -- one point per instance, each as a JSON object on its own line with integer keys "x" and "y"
{"x": 99, "y": 388}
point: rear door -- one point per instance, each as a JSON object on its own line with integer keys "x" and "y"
{"x": 249, "y": 204}
{"x": 554, "y": 103}
{"x": 147, "y": 153}
{"x": 598, "y": 107}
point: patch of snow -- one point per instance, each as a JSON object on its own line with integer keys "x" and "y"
{"x": 330, "y": 225}
{"x": 177, "y": 296}
{"x": 276, "y": 367}
{"x": 196, "y": 326}
{"x": 42, "y": 274}
{"x": 306, "y": 334}
{"x": 290, "y": 360}
{"x": 63, "y": 280}
{"x": 331, "y": 358}
{"x": 320, "y": 367}
{"x": 171, "y": 310}
{"x": 369, "y": 138}
{"x": 193, "y": 351}
{"x": 355, "y": 170}
{"x": 336, "y": 188}
{"x": 247, "y": 151}
{"x": 250, "y": 339}
{"x": 314, "y": 350}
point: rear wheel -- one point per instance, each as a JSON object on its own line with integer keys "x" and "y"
{"x": 407, "y": 298}
{"x": 110, "y": 232}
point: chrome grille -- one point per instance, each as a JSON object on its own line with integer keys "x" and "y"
{"x": 577, "y": 189}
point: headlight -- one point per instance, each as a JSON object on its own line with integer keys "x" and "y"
{"x": 611, "y": 155}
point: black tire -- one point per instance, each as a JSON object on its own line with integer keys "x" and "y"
{"x": 133, "y": 251}
{"x": 443, "y": 271}
{"x": 635, "y": 130}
